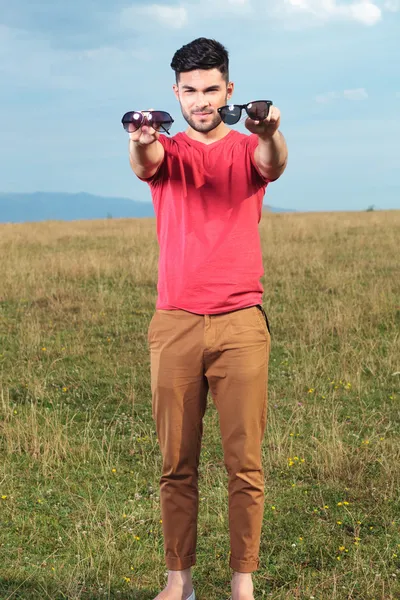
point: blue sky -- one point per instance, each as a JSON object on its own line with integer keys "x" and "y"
{"x": 69, "y": 70}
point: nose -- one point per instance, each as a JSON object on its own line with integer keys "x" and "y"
{"x": 201, "y": 100}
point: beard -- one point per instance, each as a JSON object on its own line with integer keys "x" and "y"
{"x": 197, "y": 125}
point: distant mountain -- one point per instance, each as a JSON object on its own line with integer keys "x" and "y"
{"x": 46, "y": 206}
{"x": 275, "y": 209}
{"x": 56, "y": 206}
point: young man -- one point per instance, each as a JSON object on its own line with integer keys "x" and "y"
{"x": 209, "y": 331}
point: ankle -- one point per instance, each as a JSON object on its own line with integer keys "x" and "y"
{"x": 238, "y": 575}
{"x": 183, "y": 577}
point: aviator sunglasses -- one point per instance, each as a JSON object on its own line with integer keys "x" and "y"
{"x": 158, "y": 119}
{"x": 258, "y": 111}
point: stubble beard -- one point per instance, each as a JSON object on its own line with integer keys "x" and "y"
{"x": 201, "y": 127}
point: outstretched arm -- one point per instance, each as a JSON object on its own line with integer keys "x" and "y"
{"x": 271, "y": 153}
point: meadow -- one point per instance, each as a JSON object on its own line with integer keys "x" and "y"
{"x": 79, "y": 457}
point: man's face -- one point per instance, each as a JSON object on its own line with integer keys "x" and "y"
{"x": 200, "y": 93}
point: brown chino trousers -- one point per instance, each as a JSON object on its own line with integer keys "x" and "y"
{"x": 227, "y": 353}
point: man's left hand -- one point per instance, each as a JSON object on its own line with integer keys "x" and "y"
{"x": 268, "y": 127}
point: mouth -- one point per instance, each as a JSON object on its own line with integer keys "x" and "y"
{"x": 202, "y": 114}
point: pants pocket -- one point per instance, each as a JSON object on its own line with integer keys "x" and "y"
{"x": 265, "y": 317}
{"x": 150, "y": 327}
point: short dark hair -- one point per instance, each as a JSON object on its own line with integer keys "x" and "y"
{"x": 202, "y": 53}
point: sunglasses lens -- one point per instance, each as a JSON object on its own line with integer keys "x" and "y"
{"x": 230, "y": 114}
{"x": 131, "y": 121}
{"x": 160, "y": 118}
{"x": 166, "y": 125}
{"x": 258, "y": 111}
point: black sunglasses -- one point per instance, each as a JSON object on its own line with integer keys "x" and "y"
{"x": 258, "y": 111}
{"x": 158, "y": 119}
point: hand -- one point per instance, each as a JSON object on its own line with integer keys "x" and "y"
{"x": 145, "y": 135}
{"x": 268, "y": 127}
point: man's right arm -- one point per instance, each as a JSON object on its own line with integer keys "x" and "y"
{"x": 145, "y": 158}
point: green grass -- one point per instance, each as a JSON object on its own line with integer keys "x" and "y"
{"x": 79, "y": 458}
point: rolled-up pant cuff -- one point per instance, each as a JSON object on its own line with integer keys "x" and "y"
{"x": 179, "y": 564}
{"x": 243, "y": 566}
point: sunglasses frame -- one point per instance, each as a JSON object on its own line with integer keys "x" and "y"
{"x": 144, "y": 120}
{"x": 245, "y": 107}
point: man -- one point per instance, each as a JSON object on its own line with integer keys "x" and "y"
{"x": 209, "y": 331}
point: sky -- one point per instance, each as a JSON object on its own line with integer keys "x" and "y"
{"x": 70, "y": 70}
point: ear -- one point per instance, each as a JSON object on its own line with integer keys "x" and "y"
{"x": 229, "y": 89}
{"x": 176, "y": 91}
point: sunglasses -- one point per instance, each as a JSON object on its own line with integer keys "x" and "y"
{"x": 158, "y": 119}
{"x": 258, "y": 111}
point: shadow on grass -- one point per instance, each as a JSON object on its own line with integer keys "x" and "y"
{"x": 31, "y": 590}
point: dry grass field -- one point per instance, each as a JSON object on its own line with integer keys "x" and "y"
{"x": 79, "y": 459}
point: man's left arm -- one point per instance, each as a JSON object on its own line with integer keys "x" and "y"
{"x": 271, "y": 153}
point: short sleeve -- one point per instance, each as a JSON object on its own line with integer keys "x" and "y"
{"x": 252, "y": 143}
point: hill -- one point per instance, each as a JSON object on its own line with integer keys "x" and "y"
{"x": 57, "y": 206}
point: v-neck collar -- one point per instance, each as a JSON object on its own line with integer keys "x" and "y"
{"x": 202, "y": 144}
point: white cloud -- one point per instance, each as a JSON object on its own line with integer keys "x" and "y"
{"x": 175, "y": 17}
{"x": 392, "y": 5}
{"x": 178, "y": 16}
{"x": 26, "y": 60}
{"x": 355, "y": 94}
{"x": 363, "y": 11}
{"x": 236, "y": 7}
{"x": 324, "y": 98}
{"x": 239, "y": 2}
{"x": 222, "y": 9}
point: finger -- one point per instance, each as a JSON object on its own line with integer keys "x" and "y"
{"x": 146, "y": 112}
{"x": 146, "y": 126}
{"x": 148, "y": 130}
{"x": 135, "y": 135}
{"x": 271, "y": 114}
{"x": 275, "y": 113}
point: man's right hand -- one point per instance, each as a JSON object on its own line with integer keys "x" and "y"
{"x": 145, "y": 135}
{"x": 145, "y": 156}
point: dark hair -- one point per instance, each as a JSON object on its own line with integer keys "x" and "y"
{"x": 202, "y": 53}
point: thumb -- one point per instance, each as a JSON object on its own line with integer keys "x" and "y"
{"x": 148, "y": 117}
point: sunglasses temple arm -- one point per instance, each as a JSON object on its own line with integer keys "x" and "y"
{"x": 166, "y": 131}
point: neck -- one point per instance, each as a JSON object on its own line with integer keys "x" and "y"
{"x": 210, "y": 136}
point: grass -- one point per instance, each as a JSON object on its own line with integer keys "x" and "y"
{"x": 79, "y": 458}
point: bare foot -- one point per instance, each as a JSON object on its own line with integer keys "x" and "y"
{"x": 242, "y": 586}
{"x": 179, "y": 586}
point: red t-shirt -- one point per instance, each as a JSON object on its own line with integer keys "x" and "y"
{"x": 208, "y": 203}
